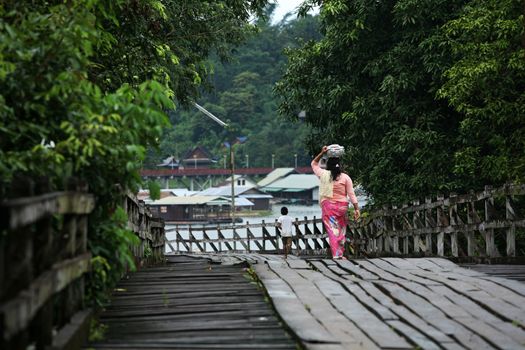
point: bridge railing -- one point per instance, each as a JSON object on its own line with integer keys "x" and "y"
{"x": 149, "y": 230}
{"x": 309, "y": 238}
{"x": 43, "y": 257}
{"x": 481, "y": 224}
{"x": 261, "y": 237}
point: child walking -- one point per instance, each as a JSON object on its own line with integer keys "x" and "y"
{"x": 285, "y": 222}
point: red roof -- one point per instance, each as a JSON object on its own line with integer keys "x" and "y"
{"x": 205, "y": 172}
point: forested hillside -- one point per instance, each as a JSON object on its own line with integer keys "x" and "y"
{"x": 241, "y": 93}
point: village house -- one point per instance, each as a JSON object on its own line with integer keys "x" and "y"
{"x": 197, "y": 158}
{"x": 197, "y": 208}
{"x": 259, "y": 199}
{"x": 295, "y": 188}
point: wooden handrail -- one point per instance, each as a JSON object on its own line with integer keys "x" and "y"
{"x": 149, "y": 229}
{"x": 43, "y": 258}
{"x": 430, "y": 227}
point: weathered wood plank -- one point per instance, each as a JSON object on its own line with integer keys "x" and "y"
{"x": 351, "y": 285}
{"x": 74, "y": 334}
{"x": 436, "y": 317}
{"x": 17, "y": 313}
{"x": 349, "y": 306}
{"x": 315, "y": 302}
{"x": 407, "y": 315}
{"x": 291, "y": 309}
{"x": 192, "y": 303}
{"x": 356, "y": 270}
{"x": 418, "y": 338}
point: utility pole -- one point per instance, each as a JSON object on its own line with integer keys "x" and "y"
{"x": 232, "y": 167}
{"x": 273, "y": 161}
{"x": 295, "y": 156}
{"x": 247, "y": 161}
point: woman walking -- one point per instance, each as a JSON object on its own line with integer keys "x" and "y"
{"x": 335, "y": 191}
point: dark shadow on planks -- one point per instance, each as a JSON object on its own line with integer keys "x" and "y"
{"x": 191, "y": 304}
{"x": 514, "y": 272}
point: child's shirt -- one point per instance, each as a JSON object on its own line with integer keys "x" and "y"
{"x": 286, "y": 225}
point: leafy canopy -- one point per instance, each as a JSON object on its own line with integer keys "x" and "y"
{"x": 427, "y": 96}
{"x": 84, "y": 86}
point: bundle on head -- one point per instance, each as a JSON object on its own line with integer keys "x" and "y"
{"x": 334, "y": 166}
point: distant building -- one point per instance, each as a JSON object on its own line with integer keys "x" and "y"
{"x": 169, "y": 163}
{"x": 275, "y": 175}
{"x": 295, "y": 187}
{"x": 197, "y": 158}
{"x": 168, "y": 192}
{"x": 240, "y": 180}
{"x": 260, "y": 199}
{"x": 201, "y": 209}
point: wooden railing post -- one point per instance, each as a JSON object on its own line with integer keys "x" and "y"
{"x": 387, "y": 232}
{"x": 177, "y": 237}
{"x": 264, "y": 236}
{"x": 248, "y": 236}
{"x": 428, "y": 218}
{"x": 190, "y": 236}
{"x": 511, "y": 231}
{"x": 220, "y": 243}
{"x": 472, "y": 217}
{"x": 379, "y": 235}
{"x": 453, "y": 219}
{"x": 440, "y": 224}
{"x": 277, "y": 236}
{"x": 395, "y": 237}
{"x": 42, "y": 325}
{"x": 204, "y": 241}
{"x": 490, "y": 247}
{"x": 298, "y": 235}
{"x": 415, "y": 226}
{"x": 234, "y": 239}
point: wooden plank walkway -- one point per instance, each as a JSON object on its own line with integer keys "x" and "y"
{"x": 205, "y": 302}
{"x": 515, "y": 272}
{"x": 191, "y": 304}
{"x": 391, "y": 303}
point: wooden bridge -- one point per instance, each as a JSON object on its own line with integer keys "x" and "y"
{"x": 464, "y": 226}
{"x": 222, "y": 288}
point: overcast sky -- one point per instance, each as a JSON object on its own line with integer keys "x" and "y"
{"x": 285, "y": 6}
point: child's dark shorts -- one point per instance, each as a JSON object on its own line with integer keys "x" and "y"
{"x": 286, "y": 240}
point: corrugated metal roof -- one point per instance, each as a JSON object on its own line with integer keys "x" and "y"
{"x": 181, "y": 192}
{"x": 224, "y": 191}
{"x": 192, "y": 200}
{"x": 202, "y": 200}
{"x": 275, "y": 175}
{"x": 243, "y": 202}
{"x": 294, "y": 182}
{"x": 256, "y": 196}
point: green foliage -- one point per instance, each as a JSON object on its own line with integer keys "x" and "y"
{"x": 427, "y": 96}
{"x": 99, "y": 280}
{"x": 244, "y": 97}
{"x": 97, "y": 330}
{"x": 110, "y": 243}
{"x": 486, "y": 84}
{"x": 84, "y": 86}
{"x": 154, "y": 190}
{"x": 148, "y": 253}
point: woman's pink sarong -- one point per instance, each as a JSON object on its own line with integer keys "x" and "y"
{"x": 335, "y": 219}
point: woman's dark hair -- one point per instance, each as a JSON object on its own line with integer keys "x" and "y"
{"x": 284, "y": 211}
{"x": 334, "y": 166}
